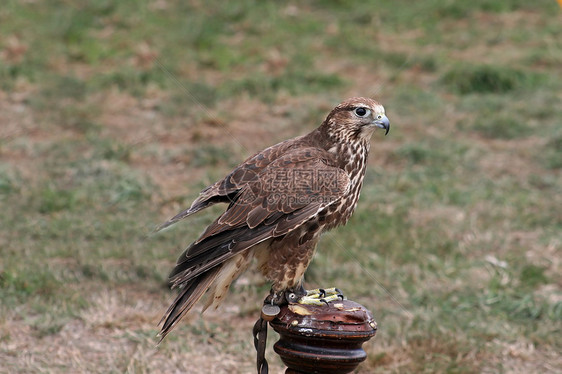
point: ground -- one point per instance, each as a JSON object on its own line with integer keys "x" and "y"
{"x": 115, "y": 114}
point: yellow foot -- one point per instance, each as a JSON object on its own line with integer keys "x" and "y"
{"x": 321, "y": 296}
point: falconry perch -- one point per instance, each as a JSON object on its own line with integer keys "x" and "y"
{"x": 279, "y": 202}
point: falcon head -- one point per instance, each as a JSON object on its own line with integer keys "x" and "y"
{"x": 355, "y": 120}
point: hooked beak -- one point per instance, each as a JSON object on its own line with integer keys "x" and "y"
{"x": 383, "y": 123}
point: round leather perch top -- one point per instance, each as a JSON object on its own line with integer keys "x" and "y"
{"x": 323, "y": 339}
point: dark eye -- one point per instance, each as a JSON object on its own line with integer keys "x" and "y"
{"x": 361, "y": 112}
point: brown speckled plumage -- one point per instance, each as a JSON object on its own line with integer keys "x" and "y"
{"x": 279, "y": 202}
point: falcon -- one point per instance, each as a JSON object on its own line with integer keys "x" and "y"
{"x": 280, "y": 201}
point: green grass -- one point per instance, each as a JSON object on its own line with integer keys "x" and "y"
{"x": 495, "y": 79}
{"x": 553, "y": 153}
{"x": 116, "y": 114}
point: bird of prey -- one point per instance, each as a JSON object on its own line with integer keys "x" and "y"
{"x": 279, "y": 202}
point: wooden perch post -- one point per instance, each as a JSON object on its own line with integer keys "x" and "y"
{"x": 323, "y": 339}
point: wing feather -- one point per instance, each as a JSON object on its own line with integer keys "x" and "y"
{"x": 257, "y": 214}
{"x": 225, "y": 190}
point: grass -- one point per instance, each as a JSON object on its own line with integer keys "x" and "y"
{"x": 116, "y": 114}
{"x": 495, "y": 79}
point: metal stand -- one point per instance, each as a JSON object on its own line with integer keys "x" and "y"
{"x": 318, "y": 339}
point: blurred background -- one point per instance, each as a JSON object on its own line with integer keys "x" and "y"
{"x": 114, "y": 115}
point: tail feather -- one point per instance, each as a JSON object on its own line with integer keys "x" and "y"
{"x": 186, "y": 299}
